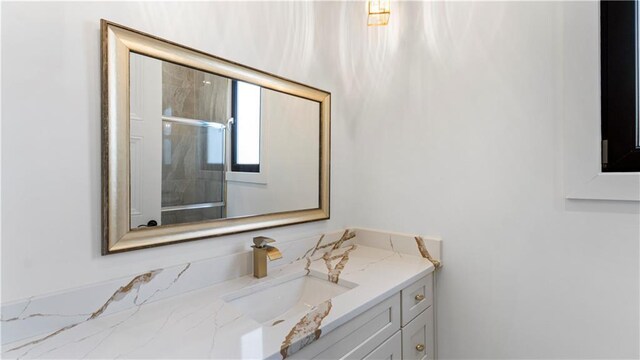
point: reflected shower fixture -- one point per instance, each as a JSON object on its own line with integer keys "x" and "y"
{"x": 379, "y": 12}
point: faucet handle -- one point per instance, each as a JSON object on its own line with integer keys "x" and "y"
{"x": 261, "y": 241}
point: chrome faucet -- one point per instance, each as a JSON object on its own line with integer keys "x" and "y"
{"x": 262, "y": 252}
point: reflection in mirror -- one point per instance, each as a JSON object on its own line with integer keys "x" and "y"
{"x": 206, "y": 147}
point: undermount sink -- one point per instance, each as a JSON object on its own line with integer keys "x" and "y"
{"x": 286, "y": 298}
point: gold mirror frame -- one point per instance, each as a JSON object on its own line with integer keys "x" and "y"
{"x": 117, "y": 43}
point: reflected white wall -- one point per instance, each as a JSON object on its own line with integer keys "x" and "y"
{"x": 290, "y": 174}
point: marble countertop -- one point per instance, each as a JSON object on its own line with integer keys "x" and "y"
{"x": 200, "y": 324}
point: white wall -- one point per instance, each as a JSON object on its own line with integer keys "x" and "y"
{"x": 472, "y": 151}
{"x": 290, "y": 157}
{"x": 447, "y": 122}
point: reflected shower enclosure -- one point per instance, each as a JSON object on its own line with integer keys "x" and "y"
{"x": 178, "y": 163}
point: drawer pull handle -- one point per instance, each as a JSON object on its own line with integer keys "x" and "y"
{"x": 419, "y": 297}
{"x": 420, "y": 347}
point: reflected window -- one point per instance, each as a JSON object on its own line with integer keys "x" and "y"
{"x": 245, "y": 147}
{"x": 619, "y": 81}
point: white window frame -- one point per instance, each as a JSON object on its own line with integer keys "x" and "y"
{"x": 580, "y": 81}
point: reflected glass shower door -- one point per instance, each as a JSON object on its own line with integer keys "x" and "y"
{"x": 195, "y": 107}
{"x": 193, "y": 186}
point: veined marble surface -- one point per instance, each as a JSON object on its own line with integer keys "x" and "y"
{"x": 133, "y": 323}
{"x": 48, "y": 313}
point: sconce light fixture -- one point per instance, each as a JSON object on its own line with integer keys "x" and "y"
{"x": 379, "y": 12}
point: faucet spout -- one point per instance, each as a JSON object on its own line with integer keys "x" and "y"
{"x": 262, "y": 252}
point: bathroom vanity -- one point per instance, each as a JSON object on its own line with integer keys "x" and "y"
{"x": 351, "y": 294}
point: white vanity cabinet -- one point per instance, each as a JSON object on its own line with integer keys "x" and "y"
{"x": 399, "y": 327}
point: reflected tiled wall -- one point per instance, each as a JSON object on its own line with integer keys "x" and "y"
{"x": 195, "y": 94}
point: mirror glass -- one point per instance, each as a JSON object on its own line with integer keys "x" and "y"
{"x": 206, "y": 147}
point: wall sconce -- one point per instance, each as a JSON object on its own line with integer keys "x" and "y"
{"x": 379, "y": 12}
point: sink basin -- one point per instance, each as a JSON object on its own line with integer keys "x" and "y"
{"x": 286, "y": 298}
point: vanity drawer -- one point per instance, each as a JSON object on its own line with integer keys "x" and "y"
{"x": 416, "y": 298}
{"x": 417, "y": 337}
{"x": 358, "y": 337}
{"x": 389, "y": 350}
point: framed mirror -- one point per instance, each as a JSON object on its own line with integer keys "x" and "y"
{"x": 195, "y": 146}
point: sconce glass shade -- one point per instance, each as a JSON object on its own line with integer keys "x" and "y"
{"x": 379, "y": 12}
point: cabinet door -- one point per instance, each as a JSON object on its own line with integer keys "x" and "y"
{"x": 388, "y": 350}
{"x": 416, "y": 297}
{"x": 417, "y": 337}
